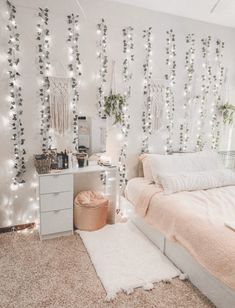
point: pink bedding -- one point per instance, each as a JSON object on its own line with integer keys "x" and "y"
{"x": 195, "y": 220}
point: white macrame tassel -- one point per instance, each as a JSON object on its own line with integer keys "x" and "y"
{"x": 183, "y": 276}
{"x": 148, "y": 286}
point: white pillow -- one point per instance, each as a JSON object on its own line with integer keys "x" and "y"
{"x": 147, "y": 172}
{"x": 190, "y": 181}
{"x": 183, "y": 162}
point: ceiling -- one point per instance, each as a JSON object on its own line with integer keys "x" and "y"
{"x": 223, "y": 14}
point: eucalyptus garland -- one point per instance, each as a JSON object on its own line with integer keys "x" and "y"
{"x": 188, "y": 91}
{"x": 206, "y": 78}
{"x": 75, "y": 72}
{"x": 43, "y": 68}
{"x": 103, "y": 65}
{"x": 128, "y": 46}
{"x": 147, "y": 91}
{"x": 219, "y": 79}
{"x": 15, "y": 95}
{"x": 169, "y": 91}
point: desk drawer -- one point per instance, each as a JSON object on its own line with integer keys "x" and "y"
{"x": 56, "y": 201}
{"x": 55, "y": 183}
{"x": 56, "y": 221}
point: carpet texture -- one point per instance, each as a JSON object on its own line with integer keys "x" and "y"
{"x": 124, "y": 259}
{"x": 58, "y": 273}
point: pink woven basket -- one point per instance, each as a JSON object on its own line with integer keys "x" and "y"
{"x": 92, "y": 215}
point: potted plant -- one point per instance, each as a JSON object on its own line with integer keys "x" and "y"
{"x": 114, "y": 102}
{"x": 227, "y": 111}
{"x": 113, "y": 106}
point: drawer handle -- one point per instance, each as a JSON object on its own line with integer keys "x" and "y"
{"x": 56, "y": 211}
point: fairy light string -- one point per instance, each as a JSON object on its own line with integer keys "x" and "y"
{"x": 15, "y": 96}
{"x": 188, "y": 91}
{"x": 128, "y": 46}
{"x": 206, "y": 80}
{"x": 102, "y": 65}
{"x": 75, "y": 73}
{"x": 219, "y": 79}
{"x": 170, "y": 78}
{"x": 44, "y": 68}
{"x": 147, "y": 90}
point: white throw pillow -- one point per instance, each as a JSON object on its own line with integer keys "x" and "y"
{"x": 183, "y": 162}
{"x": 190, "y": 181}
{"x": 147, "y": 172}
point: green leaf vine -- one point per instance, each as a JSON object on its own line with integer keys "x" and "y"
{"x": 227, "y": 111}
{"x": 113, "y": 107}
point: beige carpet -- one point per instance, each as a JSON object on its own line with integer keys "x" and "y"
{"x": 58, "y": 273}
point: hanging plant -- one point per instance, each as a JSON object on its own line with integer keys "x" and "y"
{"x": 15, "y": 96}
{"x": 147, "y": 90}
{"x": 206, "y": 82}
{"x": 113, "y": 107}
{"x": 43, "y": 65}
{"x": 227, "y": 111}
{"x": 75, "y": 70}
{"x": 170, "y": 78}
{"x": 127, "y": 75}
{"x": 102, "y": 58}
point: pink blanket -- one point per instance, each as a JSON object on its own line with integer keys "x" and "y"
{"x": 195, "y": 220}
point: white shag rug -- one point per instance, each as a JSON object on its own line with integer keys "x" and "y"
{"x": 125, "y": 259}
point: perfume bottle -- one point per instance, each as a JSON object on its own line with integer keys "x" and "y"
{"x": 65, "y": 160}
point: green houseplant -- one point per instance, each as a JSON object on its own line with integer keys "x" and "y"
{"x": 114, "y": 103}
{"x": 113, "y": 106}
{"x": 227, "y": 111}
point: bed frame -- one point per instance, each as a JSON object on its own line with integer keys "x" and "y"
{"x": 221, "y": 295}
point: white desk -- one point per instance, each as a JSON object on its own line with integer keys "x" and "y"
{"x": 57, "y": 190}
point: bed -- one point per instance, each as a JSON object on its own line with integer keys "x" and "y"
{"x": 188, "y": 226}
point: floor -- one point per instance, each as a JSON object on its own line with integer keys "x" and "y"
{"x": 58, "y": 273}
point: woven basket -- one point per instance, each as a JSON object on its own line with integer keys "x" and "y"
{"x": 90, "y": 217}
{"x": 42, "y": 166}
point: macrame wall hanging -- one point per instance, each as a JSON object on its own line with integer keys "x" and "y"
{"x": 75, "y": 70}
{"x": 59, "y": 105}
{"x": 128, "y": 46}
{"x": 157, "y": 108}
{"x": 170, "y": 77}
{"x": 15, "y": 96}
{"x": 147, "y": 90}
{"x": 103, "y": 65}
{"x": 43, "y": 69}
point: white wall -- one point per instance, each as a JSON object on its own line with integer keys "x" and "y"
{"x": 21, "y": 206}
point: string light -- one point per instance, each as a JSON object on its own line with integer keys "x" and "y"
{"x": 147, "y": 90}
{"x": 75, "y": 72}
{"x": 169, "y": 92}
{"x": 219, "y": 80}
{"x": 206, "y": 78}
{"x": 103, "y": 65}
{"x": 15, "y": 96}
{"x": 128, "y": 47}
{"x": 188, "y": 91}
{"x": 43, "y": 68}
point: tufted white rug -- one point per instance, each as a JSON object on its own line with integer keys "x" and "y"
{"x": 125, "y": 259}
